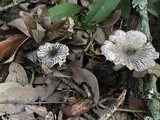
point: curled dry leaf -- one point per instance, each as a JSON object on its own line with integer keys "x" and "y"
{"x": 77, "y": 108}
{"x": 29, "y": 21}
{"x": 17, "y": 74}
{"x": 8, "y": 46}
{"x": 99, "y": 36}
{"x": 80, "y": 75}
{"x": 43, "y": 16}
{"x": 77, "y": 40}
{"x": 59, "y": 30}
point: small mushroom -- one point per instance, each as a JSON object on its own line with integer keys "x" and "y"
{"x": 51, "y": 54}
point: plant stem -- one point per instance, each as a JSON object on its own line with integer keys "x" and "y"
{"x": 142, "y": 9}
{"x": 149, "y": 85}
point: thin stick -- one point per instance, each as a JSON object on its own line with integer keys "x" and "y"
{"x": 113, "y": 107}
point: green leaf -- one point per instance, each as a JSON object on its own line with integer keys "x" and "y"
{"x": 99, "y": 10}
{"x": 152, "y": 8}
{"x": 63, "y": 10}
{"x": 125, "y": 6}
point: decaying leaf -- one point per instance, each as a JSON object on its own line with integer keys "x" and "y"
{"x": 80, "y": 75}
{"x": 8, "y": 46}
{"x": 38, "y": 33}
{"x": 19, "y": 23}
{"x": 29, "y": 21}
{"x": 21, "y": 116}
{"x": 15, "y": 52}
{"x": 138, "y": 104}
{"x": 18, "y": 94}
{"x": 53, "y": 72}
{"x": 7, "y": 85}
{"x": 9, "y": 31}
{"x": 40, "y": 110}
{"x": 99, "y": 36}
{"x": 43, "y": 16}
{"x": 119, "y": 116}
{"x": 60, "y": 29}
{"x": 112, "y": 20}
{"x": 77, "y": 40}
{"x": 77, "y": 108}
{"x": 17, "y": 74}
{"x": 52, "y": 84}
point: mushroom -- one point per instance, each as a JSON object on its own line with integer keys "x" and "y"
{"x": 51, "y": 54}
{"x": 130, "y": 49}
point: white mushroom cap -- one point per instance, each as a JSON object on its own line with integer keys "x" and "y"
{"x": 51, "y": 54}
{"x": 130, "y": 49}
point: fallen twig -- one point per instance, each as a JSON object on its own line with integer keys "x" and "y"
{"x": 113, "y": 107}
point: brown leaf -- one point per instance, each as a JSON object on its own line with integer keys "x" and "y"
{"x": 15, "y": 52}
{"x": 29, "y": 21}
{"x": 80, "y": 75}
{"x": 77, "y": 108}
{"x": 9, "y": 31}
{"x": 43, "y": 16}
{"x": 77, "y": 40}
{"x": 119, "y": 115}
{"x": 8, "y": 46}
{"x": 59, "y": 30}
{"x": 51, "y": 87}
{"x": 40, "y": 110}
{"x": 38, "y": 33}
{"x": 21, "y": 116}
{"x": 16, "y": 94}
{"x": 17, "y": 74}
{"x": 138, "y": 104}
{"x": 99, "y": 36}
{"x": 112, "y": 20}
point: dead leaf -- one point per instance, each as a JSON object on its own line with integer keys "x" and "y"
{"x": 112, "y": 20}
{"x": 9, "y": 31}
{"x": 49, "y": 116}
{"x": 7, "y": 85}
{"x": 15, "y": 52}
{"x": 38, "y": 33}
{"x": 21, "y": 116}
{"x": 18, "y": 94}
{"x": 8, "y": 46}
{"x": 138, "y": 104}
{"x": 43, "y": 16}
{"x": 80, "y": 75}
{"x": 29, "y": 21}
{"x": 52, "y": 84}
{"x": 99, "y": 36}
{"x": 119, "y": 115}
{"x": 17, "y": 74}
{"x": 53, "y": 72}
{"x": 85, "y": 3}
{"x": 40, "y": 110}
{"x": 77, "y": 40}
{"x": 77, "y": 108}
{"x": 19, "y": 23}
{"x": 59, "y": 30}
